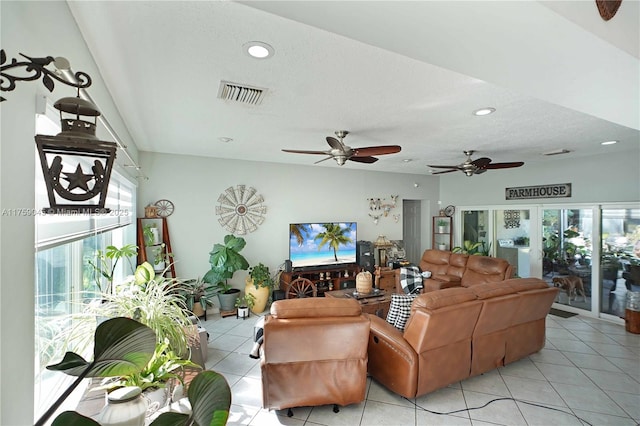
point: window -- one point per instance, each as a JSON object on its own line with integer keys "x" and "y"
{"x": 65, "y": 282}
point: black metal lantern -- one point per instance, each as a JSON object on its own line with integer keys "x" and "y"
{"x": 75, "y": 164}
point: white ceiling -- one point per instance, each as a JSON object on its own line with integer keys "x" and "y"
{"x": 406, "y": 73}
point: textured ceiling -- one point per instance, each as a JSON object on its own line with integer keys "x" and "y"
{"x": 406, "y": 73}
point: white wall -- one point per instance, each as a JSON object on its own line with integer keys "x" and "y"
{"x": 36, "y": 29}
{"x": 292, "y": 194}
{"x": 610, "y": 177}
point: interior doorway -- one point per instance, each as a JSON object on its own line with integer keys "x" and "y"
{"x": 412, "y": 229}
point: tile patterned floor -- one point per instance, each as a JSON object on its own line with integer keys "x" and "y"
{"x": 589, "y": 370}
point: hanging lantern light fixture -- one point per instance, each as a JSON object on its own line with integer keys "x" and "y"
{"x": 75, "y": 164}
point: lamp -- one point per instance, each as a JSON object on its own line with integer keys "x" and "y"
{"x": 382, "y": 244}
{"x": 76, "y": 165}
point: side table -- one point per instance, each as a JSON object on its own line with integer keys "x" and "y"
{"x": 375, "y": 304}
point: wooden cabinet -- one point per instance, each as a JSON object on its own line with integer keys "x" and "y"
{"x": 385, "y": 279}
{"x": 154, "y": 244}
{"x": 324, "y": 279}
{"x": 442, "y": 233}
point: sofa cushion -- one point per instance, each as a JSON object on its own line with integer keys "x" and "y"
{"x": 309, "y": 308}
{"x": 400, "y": 309}
{"x": 489, "y": 290}
{"x": 526, "y": 284}
{"x": 484, "y": 269}
{"x": 446, "y": 297}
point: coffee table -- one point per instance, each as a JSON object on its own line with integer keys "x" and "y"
{"x": 375, "y": 304}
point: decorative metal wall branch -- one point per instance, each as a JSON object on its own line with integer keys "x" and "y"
{"x": 375, "y": 204}
{"x": 34, "y": 69}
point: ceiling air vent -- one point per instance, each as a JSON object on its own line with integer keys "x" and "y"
{"x": 240, "y": 93}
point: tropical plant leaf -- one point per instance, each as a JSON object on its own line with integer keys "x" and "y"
{"x": 71, "y": 418}
{"x": 171, "y": 419}
{"x": 210, "y": 398}
{"x": 144, "y": 273}
{"x": 122, "y": 346}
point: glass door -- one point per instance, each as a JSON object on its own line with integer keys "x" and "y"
{"x": 619, "y": 258}
{"x": 567, "y": 249}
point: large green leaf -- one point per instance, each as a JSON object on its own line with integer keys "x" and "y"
{"x": 122, "y": 347}
{"x": 71, "y": 418}
{"x": 210, "y": 398}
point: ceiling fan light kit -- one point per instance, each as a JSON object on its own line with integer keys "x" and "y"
{"x": 475, "y": 167}
{"x": 341, "y": 152}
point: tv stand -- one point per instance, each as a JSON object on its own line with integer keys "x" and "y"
{"x": 325, "y": 278}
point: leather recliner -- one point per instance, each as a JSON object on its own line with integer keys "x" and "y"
{"x": 314, "y": 353}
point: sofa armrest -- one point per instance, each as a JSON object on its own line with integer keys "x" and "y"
{"x": 392, "y": 360}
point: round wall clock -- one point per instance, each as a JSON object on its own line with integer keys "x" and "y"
{"x": 240, "y": 210}
{"x": 449, "y": 210}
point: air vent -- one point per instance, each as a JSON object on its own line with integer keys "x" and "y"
{"x": 240, "y": 93}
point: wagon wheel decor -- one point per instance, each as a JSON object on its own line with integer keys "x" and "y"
{"x": 164, "y": 208}
{"x": 241, "y": 210}
{"x": 301, "y": 287}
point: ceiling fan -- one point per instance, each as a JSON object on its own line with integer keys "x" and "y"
{"x": 475, "y": 167}
{"x": 341, "y": 152}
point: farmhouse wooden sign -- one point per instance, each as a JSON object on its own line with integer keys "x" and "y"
{"x": 557, "y": 190}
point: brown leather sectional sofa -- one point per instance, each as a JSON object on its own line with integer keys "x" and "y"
{"x": 456, "y": 333}
{"x": 456, "y": 269}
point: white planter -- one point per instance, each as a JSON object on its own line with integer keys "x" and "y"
{"x": 442, "y": 247}
{"x": 442, "y": 229}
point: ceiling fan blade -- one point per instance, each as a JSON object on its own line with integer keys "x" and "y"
{"x": 297, "y": 151}
{"x": 334, "y": 143}
{"x": 444, "y": 167}
{"x": 481, "y": 162}
{"x": 444, "y": 171}
{"x": 503, "y": 165}
{"x": 376, "y": 150}
{"x": 324, "y": 159}
{"x": 367, "y": 160}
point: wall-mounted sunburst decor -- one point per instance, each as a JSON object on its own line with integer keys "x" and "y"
{"x": 240, "y": 210}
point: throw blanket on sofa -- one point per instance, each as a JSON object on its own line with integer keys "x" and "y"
{"x": 410, "y": 279}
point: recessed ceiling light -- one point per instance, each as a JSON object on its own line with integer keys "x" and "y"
{"x": 407, "y": 160}
{"x": 225, "y": 140}
{"x": 484, "y": 111}
{"x": 609, "y": 143}
{"x": 258, "y": 49}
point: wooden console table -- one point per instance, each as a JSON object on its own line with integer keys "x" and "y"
{"x": 374, "y": 305}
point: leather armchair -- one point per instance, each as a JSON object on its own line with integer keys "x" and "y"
{"x": 314, "y": 353}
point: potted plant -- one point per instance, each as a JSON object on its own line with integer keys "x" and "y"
{"x": 225, "y": 259}
{"x": 153, "y": 300}
{"x": 151, "y": 234}
{"x": 123, "y": 347}
{"x": 104, "y": 264}
{"x": 259, "y": 284}
{"x": 244, "y": 303}
{"x": 198, "y": 295}
{"x": 442, "y": 226}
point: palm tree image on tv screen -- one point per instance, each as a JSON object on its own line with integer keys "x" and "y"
{"x": 321, "y": 244}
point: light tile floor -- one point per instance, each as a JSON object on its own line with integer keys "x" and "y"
{"x": 589, "y": 370}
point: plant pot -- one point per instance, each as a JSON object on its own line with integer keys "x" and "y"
{"x": 243, "y": 312}
{"x": 442, "y": 247}
{"x": 228, "y": 300}
{"x": 261, "y": 296}
{"x": 442, "y": 229}
{"x": 197, "y": 309}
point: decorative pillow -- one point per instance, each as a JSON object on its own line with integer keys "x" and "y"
{"x": 400, "y": 309}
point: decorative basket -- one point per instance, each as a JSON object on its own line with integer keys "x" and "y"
{"x": 151, "y": 211}
{"x": 364, "y": 282}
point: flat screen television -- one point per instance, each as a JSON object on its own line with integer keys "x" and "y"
{"x": 322, "y": 244}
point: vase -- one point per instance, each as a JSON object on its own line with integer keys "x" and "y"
{"x": 197, "y": 309}
{"x": 228, "y": 300}
{"x": 260, "y": 294}
{"x": 125, "y": 406}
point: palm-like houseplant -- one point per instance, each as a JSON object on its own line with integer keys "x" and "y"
{"x": 104, "y": 264}
{"x": 225, "y": 259}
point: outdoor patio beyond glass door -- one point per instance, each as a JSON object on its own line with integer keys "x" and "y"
{"x": 567, "y": 246}
{"x": 512, "y": 239}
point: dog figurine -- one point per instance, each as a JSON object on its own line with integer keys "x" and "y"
{"x": 572, "y": 285}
